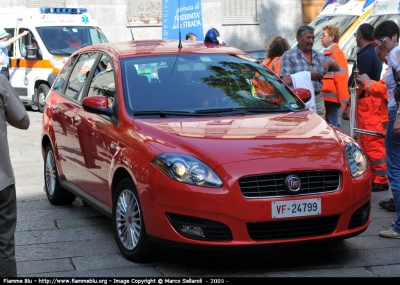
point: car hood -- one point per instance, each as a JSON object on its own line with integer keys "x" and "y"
{"x": 231, "y": 139}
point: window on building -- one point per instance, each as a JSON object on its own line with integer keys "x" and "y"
{"x": 239, "y": 12}
{"x": 144, "y": 12}
{"x": 45, "y": 3}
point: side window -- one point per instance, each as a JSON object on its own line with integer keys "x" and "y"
{"x": 23, "y": 42}
{"x": 103, "y": 82}
{"x": 62, "y": 78}
{"x": 79, "y": 76}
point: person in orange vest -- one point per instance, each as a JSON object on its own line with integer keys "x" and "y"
{"x": 276, "y": 47}
{"x": 262, "y": 89}
{"x": 379, "y": 90}
{"x": 334, "y": 84}
{"x": 368, "y": 113}
{"x": 73, "y": 41}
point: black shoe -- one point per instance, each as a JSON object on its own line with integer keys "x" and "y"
{"x": 390, "y": 207}
{"x": 379, "y": 187}
{"x": 383, "y": 203}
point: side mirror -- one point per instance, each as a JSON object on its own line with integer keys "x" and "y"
{"x": 31, "y": 52}
{"x": 97, "y": 104}
{"x": 303, "y": 93}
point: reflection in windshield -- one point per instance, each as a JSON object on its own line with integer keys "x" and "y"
{"x": 202, "y": 82}
{"x": 55, "y": 38}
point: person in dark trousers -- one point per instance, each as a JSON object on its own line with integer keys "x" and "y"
{"x": 368, "y": 107}
{"x": 13, "y": 112}
{"x": 386, "y": 36}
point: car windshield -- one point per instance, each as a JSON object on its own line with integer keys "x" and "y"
{"x": 342, "y": 22}
{"x": 193, "y": 84}
{"x": 55, "y": 38}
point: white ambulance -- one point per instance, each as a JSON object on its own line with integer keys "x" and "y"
{"x": 340, "y": 13}
{"x": 54, "y": 34}
{"x": 381, "y": 10}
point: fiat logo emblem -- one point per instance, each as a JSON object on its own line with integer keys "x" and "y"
{"x": 292, "y": 184}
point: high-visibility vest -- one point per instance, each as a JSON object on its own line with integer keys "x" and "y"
{"x": 378, "y": 90}
{"x": 335, "y": 84}
{"x": 274, "y": 64}
{"x": 76, "y": 44}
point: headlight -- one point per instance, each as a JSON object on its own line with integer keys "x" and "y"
{"x": 356, "y": 159}
{"x": 187, "y": 169}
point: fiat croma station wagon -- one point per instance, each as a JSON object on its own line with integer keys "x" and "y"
{"x": 198, "y": 146}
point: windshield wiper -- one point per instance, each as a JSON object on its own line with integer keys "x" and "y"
{"x": 162, "y": 113}
{"x": 243, "y": 110}
{"x": 61, "y": 51}
{"x": 269, "y": 110}
{"x": 223, "y": 110}
{"x": 207, "y": 112}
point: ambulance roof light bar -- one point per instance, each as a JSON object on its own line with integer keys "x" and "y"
{"x": 48, "y": 10}
{"x": 328, "y": 2}
{"x": 367, "y": 3}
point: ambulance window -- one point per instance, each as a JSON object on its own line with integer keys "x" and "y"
{"x": 63, "y": 77}
{"x": 23, "y": 42}
{"x": 10, "y": 48}
{"x": 79, "y": 75}
{"x": 97, "y": 36}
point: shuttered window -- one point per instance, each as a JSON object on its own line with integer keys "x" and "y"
{"x": 45, "y": 3}
{"x": 239, "y": 12}
{"x": 144, "y": 12}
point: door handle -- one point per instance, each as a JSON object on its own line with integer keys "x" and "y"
{"x": 55, "y": 108}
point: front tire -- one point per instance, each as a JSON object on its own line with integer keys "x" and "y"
{"x": 42, "y": 92}
{"x": 128, "y": 224}
{"x": 55, "y": 193}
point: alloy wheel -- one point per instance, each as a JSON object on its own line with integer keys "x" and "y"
{"x": 128, "y": 219}
{"x": 50, "y": 172}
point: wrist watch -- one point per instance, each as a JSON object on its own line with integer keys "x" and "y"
{"x": 398, "y": 112}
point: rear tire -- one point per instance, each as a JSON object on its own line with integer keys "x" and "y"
{"x": 42, "y": 92}
{"x": 128, "y": 224}
{"x": 55, "y": 193}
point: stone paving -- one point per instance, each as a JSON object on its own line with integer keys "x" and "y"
{"x": 77, "y": 241}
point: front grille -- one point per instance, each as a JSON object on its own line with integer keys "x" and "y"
{"x": 214, "y": 231}
{"x": 272, "y": 185}
{"x": 292, "y": 229}
{"x": 360, "y": 217}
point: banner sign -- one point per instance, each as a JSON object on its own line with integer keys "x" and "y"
{"x": 182, "y": 16}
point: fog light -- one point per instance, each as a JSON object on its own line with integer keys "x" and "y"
{"x": 365, "y": 216}
{"x": 192, "y": 230}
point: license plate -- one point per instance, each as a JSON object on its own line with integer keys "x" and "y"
{"x": 296, "y": 208}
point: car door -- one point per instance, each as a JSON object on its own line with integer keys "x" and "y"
{"x": 72, "y": 79}
{"x": 95, "y": 143}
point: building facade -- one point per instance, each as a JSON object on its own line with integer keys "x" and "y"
{"x": 245, "y": 24}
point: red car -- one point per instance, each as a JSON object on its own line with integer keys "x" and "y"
{"x": 178, "y": 147}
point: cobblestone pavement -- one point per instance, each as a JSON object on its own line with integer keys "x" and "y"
{"x": 77, "y": 241}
